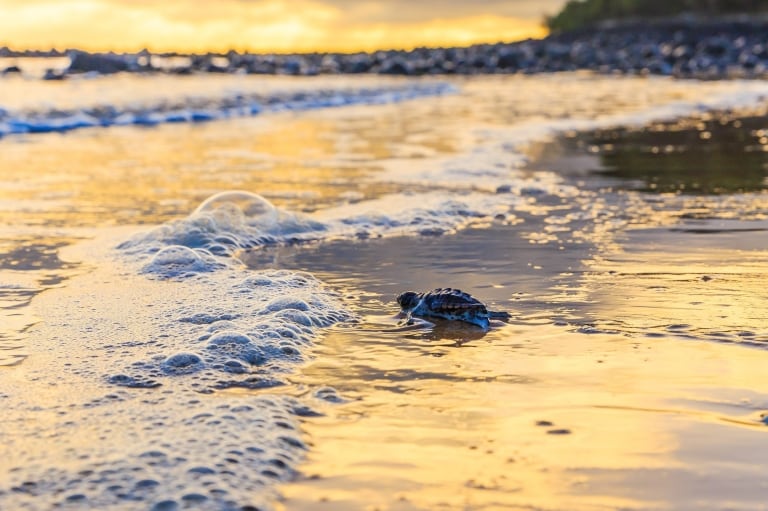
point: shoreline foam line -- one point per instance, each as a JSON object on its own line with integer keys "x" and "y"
{"x": 196, "y": 109}
{"x": 498, "y": 152}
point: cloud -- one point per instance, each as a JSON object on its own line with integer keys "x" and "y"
{"x": 441, "y": 32}
{"x": 397, "y": 11}
{"x": 264, "y": 25}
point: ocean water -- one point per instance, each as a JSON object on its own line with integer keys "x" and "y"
{"x": 198, "y": 281}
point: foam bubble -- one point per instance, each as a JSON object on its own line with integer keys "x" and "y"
{"x": 182, "y": 363}
{"x": 411, "y": 214}
{"x": 177, "y": 261}
{"x": 228, "y": 223}
{"x": 229, "y": 331}
{"x": 222, "y": 225}
{"x": 285, "y": 303}
{"x": 227, "y": 456}
{"x": 171, "y": 342}
{"x": 255, "y": 209}
{"x": 235, "y": 345}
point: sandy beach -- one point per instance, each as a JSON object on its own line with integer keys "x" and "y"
{"x": 626, "y": 379}
{"x": 202, "y": 315}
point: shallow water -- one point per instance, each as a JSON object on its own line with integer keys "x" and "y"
{"x": 166, "y": 351}
{"x": 615, "y": 385}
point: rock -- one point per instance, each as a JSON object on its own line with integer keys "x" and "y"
{"x": 678, "y": 47}
{"x": 82, "y": 62}
{"x": 52, "y": 74}
{"x": 395, "y": 66}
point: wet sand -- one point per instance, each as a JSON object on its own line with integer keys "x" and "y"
{"x": 629, "y": 377}
{"x": 631, "y": 374}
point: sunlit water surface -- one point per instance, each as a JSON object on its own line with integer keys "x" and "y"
{"x": 196, "y": 365}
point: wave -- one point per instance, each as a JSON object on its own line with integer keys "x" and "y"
{"x": 164, "y": 322}
{"x": 232, "y": 221}
{"x": 545, "y": 107}
{"x": 195, "y": 109}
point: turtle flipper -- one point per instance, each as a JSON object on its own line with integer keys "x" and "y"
{"x": 407, "y": 320}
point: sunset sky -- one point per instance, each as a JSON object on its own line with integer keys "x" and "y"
{"x": 266, "y": 25}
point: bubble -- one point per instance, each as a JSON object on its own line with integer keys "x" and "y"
{"x": 238, "y": 346}
{"x": 180, "y": 261}
{"x": 203, "y": 318}
{"x": 256, "y": 281}
{"x": 182, "y": 363}
{"x": 222, "y": 226}
{"x": 286, "y": 302}
{"x": 222, "y": 325}
{"x": 229, "y": 338}
{"x": 166, "y": 505}
{"x": 146, "y": 483}
{"x": 176, "y": 255}
{"x": 195, "y": 498}
{"x": 134, "y": 382}
{"x": 152, "y": 454}
{"x": 293, "y": 442}
{"x": 201, "y": 470}
{"x": 294, "y": 315}
{"x": 255, "y": 209}
{"x": 218, "y": 249}
{"x": 181, "y": 360}
{"x": 289, "y": 351}
{"x": 234, "y": 366}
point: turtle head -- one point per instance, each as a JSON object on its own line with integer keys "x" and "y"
{"x": 408, "y": 300}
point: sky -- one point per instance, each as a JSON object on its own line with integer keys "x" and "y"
{"x": 267, "y": 25}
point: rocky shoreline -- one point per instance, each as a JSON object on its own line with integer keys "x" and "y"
{"x": 681, "y": 48}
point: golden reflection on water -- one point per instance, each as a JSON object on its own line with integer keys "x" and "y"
{"x": 701, "y": 279}
{"x": 526, "y": 418}
{"x": 95, "y": 178}
{"x": 664, "y": 413}
{"x": 28, "y": 266}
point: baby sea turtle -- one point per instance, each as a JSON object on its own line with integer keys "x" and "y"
{"x": 448, "y": 303}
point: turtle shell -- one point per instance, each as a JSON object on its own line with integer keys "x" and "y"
{"x": 453, "y": 301}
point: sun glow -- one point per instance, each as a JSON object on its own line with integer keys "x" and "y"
{"x": 263, "y": 26}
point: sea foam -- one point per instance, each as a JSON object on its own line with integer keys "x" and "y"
{"x": 239, "y": 321}
{"x": 220, "y": 226}
{"x": 205, "y": 102}
{"x": 172, "y": 359}
{"x": 229, "y": 223}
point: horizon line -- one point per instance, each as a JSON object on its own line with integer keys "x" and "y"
{"x": 5, "y": 48}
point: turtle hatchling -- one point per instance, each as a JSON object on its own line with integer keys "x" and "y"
{"x": 447, "y": 303}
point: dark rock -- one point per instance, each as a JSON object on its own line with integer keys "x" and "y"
{"x": 292, "y": 66}
{"x": 82, "y": 62}
{"x": 52, "y": 74}
{"x": 678, "y": 47}
{"x": 396, "y": 66}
